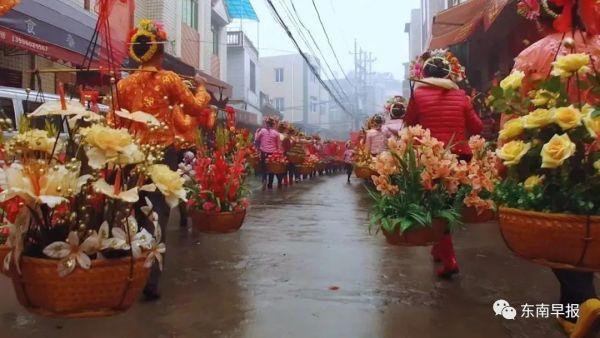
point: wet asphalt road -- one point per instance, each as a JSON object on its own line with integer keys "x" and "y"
{"x": 304, "y": 265}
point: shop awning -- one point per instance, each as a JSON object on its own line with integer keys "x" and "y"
{"x": 51, "y": 29}
{"x": 457, "y": 24}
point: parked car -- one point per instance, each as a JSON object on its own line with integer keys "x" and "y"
{"x": 15, "y": 102}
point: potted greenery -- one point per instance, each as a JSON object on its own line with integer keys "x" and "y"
{"x": 549, "y": 202}
{"x": 416, "y": 189}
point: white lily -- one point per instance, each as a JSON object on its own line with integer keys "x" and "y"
{"x": 138, "y": 116}
{"x": 157, "y": 250}
{"x": 50, "y": 186}
{"x": 133, "y": 239}
{"x": 130, "y": 196}
{"x": 71, "y": 253}
{"x": 54, "y": 108}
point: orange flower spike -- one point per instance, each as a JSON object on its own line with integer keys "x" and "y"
{"x": 118, "y": 181}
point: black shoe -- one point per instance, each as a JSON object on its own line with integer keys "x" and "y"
{"x": 151, "y": 295}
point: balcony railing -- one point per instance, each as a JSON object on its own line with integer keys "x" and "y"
{"x": 235, "y": 38}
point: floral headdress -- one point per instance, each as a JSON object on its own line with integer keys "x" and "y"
{"x": 457, "y": 71}
{"x": 562, "y": 13}
{"x": 393, "y": 102}
{"x": 154, "y": 31}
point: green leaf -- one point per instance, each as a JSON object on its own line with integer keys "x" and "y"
{"x": 595, "y": 113}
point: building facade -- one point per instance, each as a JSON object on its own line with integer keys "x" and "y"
{"x": 243, "y": 73}
{"x": 56, "y": 34}
{"x": 294, "y": 90}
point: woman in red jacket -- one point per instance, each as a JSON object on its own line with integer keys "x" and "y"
{"x": 440, "y": 106}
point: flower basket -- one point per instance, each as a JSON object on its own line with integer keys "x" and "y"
{"x": 254, "y": 162}
{"x": 109, "y": 287}
{"x": 304, "y": 169}
{"x": 296, "y": 158}
{"x": 560, "y": 241}
{"x": 364, "y": 172}
{"x": 276, "y": 168}
{"x": 419, "y": 237}
{"x": 470, "y": 215}
{"x": 221, "y": 223}
{"x": 321, "y": 166}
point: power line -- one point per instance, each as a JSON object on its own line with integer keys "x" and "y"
{"x": 333, "y": 78}
{"x": 278, "y": 18}
{"x": 330, "y": 44}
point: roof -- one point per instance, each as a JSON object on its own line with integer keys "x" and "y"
{"x": 241, "y": 9}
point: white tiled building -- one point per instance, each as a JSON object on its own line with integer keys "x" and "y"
{"x": 295, "y": 91}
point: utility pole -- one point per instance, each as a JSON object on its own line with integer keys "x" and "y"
{"x": 363, "y": 72}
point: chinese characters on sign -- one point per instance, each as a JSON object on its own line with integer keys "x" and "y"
{"x": 503, "y": 308}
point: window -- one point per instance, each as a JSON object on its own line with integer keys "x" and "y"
{"x": 40, "y": 122}
{"x": 190, "y": 13}
{"x": 7, "y": 110}
{"x": 252, "y": 76}
{"x": 216, "y": 39}
{"x": 278, "y": 74}
{"x": 279, "y": 104}
{"x": 313, "y": 104}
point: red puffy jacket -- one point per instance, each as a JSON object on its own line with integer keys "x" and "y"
{"x": 447, "y": 112}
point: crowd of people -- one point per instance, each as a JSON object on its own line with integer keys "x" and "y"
{"x": 280, "y": 139}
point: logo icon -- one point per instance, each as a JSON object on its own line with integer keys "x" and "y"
{"x": 503, "y": 308}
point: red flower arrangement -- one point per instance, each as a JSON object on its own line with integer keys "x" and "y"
{"x": 277, "y": 157}
{"x": 218, "y": 184}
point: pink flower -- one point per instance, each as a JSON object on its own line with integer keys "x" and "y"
{"x": 208, "y": 206}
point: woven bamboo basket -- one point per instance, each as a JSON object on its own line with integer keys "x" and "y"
{"x": 418, "y": 237}
{"x": 276, "y": 168}
{"x": 295, "y": 158}
{"x": 224, "y": 222}
{"x": 470, "y": 215}
{"x": 304, "y": 169}
{"x": 109, "y": 287}
{"x": 559, "y": 241}
{"x": 364, "y": 172}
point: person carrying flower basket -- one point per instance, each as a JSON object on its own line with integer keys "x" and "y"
{"x": 396, "y": 107}
{"x": 349, "y": 159}
{"x": 375, "y": 141}
{"x": 550, "y": 136}
{"x": 165, "y": 96}
{"x": 269, "y": 142}
{"x": 438, "y": 105}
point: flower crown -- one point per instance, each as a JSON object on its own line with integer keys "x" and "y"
{"x": 457, "y": 71}
{"x": 394, "y": 101}
{"x": 154, "y": 31}
{"x": 562, "y": 13}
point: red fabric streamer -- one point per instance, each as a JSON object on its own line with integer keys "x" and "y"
{"x": 589, "y": 12}
{"x": 115, "y": 22}
{"x": 564, "y": 22}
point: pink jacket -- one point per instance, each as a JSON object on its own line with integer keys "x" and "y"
{"x": 268, "y": 140}
{"x": 392, "y": 127}
{"x": 349, "y": 156}
{"x": 376, "y": 141}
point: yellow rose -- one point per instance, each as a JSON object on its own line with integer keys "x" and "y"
{"x": 511, "y": 129}
{"x": 567, "y": 65}
{"x": 592, "y": 124}
{"x": 567, "y": 117}
{"x": 169, "y": 182}
{"x": 513, "y": 151}
{"x": 538, "y": 118}
{"x": 557, "y": 150}
{"x": 513, "y": 81}
{"x": 108, "y": 145}
{"x": 533, "y": 181}
{"x": 544, "y": 97}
